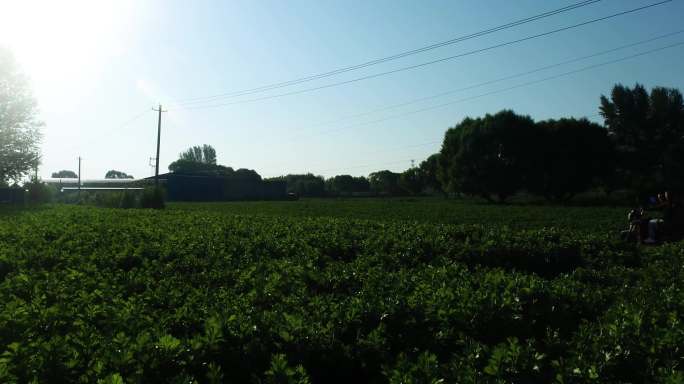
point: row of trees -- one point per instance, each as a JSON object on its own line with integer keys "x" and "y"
{"x": 498, "y": 155}
{"x": 112, "y": 174}
{"x": 640, "y": 148}
{"x": 384, "y": 182}
{"x": 201, "y": 161}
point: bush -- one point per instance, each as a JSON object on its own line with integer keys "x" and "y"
{"x": 153, "y": 198}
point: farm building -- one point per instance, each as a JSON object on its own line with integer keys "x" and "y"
{"x": 216, "y": 188}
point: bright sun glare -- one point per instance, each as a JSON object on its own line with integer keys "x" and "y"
{"x": 59, "y": 40}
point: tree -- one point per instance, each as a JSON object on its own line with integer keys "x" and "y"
{"x": 245, "y": 174}
{"x": 304, "y": 185}
{"x": 190, "y": 167}
{"x": 64, "y": 174}
{"x": 429, "y": 170}
{"x": 647, "y": 130}
{"x": 573, "y": 155}
{"x": 206, "y": 154}
{"x": 347, "y": 184}
{"x": 199, "y": 160}
{"x": 490, "y": 156}
{"x": 19, "y": 126}
{"x": 202, "y": 161}
{"x": 114, "y": 174}
{"x": 384, "y": 182}
{"x": 411, "y": 181}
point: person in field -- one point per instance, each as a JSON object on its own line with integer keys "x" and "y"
{"x": 666, "y": 204}
{"x": 636, "y": 220}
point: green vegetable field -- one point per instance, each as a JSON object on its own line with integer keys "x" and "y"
{"x": 336, "y": 291}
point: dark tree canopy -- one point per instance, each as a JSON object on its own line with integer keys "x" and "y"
{"x": 64, "y": 174}
{"x": 19, "y": 127}
{"x": 114, "y": 174}
{"x": 202, "y": 161}
{"x": 647, "y": 130}
{"x": 573, "y": 154}
{"x": 429, "y": 170}
{"x": 347, "y": 184}
{"x": 199, "y": 160}
{"x": 190, "y": 167}
{"x": 384, "y": 182}
{"x": 306, "y": 185}
{"x": 489, "y": 156}
{"x": 411, "y": 181}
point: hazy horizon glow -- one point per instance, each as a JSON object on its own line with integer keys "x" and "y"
{"x": 98, "y": 67}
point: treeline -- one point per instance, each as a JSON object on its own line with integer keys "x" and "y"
{"x": 382, "y": 183}
{"x": 639, "y": 148}
{"x": 201, "y": 161}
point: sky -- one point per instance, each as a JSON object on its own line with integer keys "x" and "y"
{"x": 97, "y": 68}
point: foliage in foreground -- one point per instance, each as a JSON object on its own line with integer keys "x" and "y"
{"x": 175, "y": 296}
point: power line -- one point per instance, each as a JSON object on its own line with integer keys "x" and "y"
{"x": 402, "y": 69}
{"x": 526, "y": 84}
{"x": 134, "y": 118}
{"x": 489, "y": 82}
{"x": 392, "y": 57}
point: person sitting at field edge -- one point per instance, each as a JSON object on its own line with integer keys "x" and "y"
{"x": 665, "y": 204}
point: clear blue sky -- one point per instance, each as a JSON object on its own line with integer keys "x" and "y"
{"x": 95, "y": 65}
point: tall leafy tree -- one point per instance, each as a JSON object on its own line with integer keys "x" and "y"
{"x": 490, "y": 156}
{"x": 647, "y": 129}
{"x": 573, "y": 155}
{"x": 385, "y": 182}
{"x": 411, "y": 181}
{"x": 429, "y": 174}
{"x": 199, "y": 159}
{"x": 19, "y": 124}
{"x": 205, "y": 154}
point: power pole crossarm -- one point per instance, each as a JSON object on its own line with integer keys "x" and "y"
{"x": 156, "y": 166}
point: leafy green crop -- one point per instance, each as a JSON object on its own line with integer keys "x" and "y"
{"x": 181, "y": 295}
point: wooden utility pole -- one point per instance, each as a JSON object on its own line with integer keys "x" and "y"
{"x": 156, "y": 166}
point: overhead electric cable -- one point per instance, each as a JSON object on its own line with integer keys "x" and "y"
{"x": 430, "y": 62}
{"x": 489, "y": 82}
{"x": 526, "y": 84}
{"x": 392, "y": 57}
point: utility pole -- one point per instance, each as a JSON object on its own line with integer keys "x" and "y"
{"x": 79, "y": 177}
{"x": 156, "y": 166}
